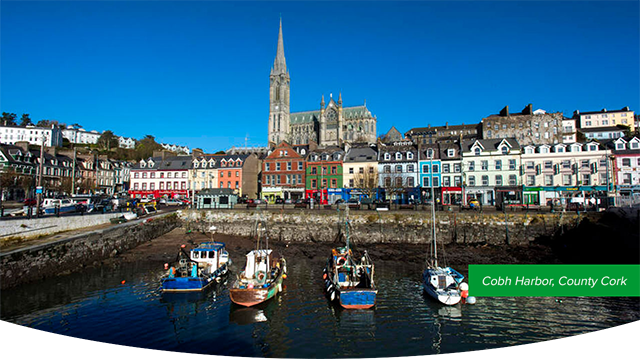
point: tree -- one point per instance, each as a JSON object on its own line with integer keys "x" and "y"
{"x": 8, "y": 119}
{"x": 220, "y": 153}
{"x": 367, "y": 181}
{"x": 146, "y": 146}
{"x": 107, "y": 141}
{"x": 25, "y": 120}
{"x": 8, "y": 179}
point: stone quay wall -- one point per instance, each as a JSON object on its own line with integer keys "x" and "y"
{"x": 388, "y": 227}
{"x": 76, "y": 252}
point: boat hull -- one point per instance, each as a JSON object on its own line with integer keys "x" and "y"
{"x": 357, "y": 298}
{"x": 192, "y": 284}
{"x": 249, "y": 297}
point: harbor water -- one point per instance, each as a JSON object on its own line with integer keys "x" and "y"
{"x": 123, "y": 305}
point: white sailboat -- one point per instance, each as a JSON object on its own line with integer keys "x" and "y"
{"x": 441, "y": 283}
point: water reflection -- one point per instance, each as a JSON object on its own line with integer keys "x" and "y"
{"x": 249, "y": 315}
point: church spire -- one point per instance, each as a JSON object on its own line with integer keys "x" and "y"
{"x": 279, "y": 64}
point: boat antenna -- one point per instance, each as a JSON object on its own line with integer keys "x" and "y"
{"x": 346, "y": 226}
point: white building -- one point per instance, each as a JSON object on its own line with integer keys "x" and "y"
{"x": 126, "y": 142}
{"x": 176, "y": 148}
{"x": 569, "y": 134}
{"x": 491, "y": 166}
{"x": 31, "y": 134}
{"x": 80, "y": 135}
{"x": 562, "y": 171}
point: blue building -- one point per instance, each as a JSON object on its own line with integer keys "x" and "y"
{"x": 430, "y": 170}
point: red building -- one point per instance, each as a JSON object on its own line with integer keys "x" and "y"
{"x": 283, "y": 173}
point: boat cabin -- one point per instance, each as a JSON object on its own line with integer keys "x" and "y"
{"x": 209, "y": 253}
{"x": 257, "y": 260}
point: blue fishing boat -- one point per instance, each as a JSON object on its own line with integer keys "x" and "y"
{"x": 203, "y": 266}
{"x": 347, "y": 280}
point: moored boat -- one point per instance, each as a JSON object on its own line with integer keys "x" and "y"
{"x": 55, "y": 205}
{"x": 203, "y": 266}
{"x": 347, "y": 280}
{"x": 263, "y": 273}
{"x": 441, "y": 283}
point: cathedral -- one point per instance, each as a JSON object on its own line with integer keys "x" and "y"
{"x": 330, "y": 125}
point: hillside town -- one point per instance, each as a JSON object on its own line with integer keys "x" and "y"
{"x": 335, "y": 153}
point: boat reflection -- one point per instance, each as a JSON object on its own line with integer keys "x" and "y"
{"x": 262, "y": 312}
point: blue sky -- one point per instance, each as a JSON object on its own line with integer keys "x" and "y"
{"x": 197, "y": 73}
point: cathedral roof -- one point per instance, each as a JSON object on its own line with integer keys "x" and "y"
{"x": 303, "y": 117}
{"x": 355, "y": 112}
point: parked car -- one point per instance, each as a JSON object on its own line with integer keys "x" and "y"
{"x": 288, "y": 201}
{"x": 103, "y": 205}
{"x": 30, "y": 202}
{"x": 353, "y": 203}
{"x": 173, "y": 202}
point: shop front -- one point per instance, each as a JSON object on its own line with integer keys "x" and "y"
{"x": 216, "y": 198}
{"x": 451, "y": 196}
{"x": 319, "y": 195}
{"x": 484, "y": 195}
{"x": 158, "y": 194}
{"x": 508, "y": 196}
{"x": 294, "y": 194}
{"x": 335, "y": 194}
{"x": 270, "y": 194}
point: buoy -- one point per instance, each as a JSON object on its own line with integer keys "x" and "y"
{"x": 183, "y": 246}
{"x": 284, "y": 276}
{"x": 166, "y": 266}
{"x": 464, "y": 294}
{"x": 471, "y": 300}
{"x": 464, "y": 286}
{"x": 250, "y": 286}
{"x": 123, "y": 282}
{"x": 280, "y": 287}
{"x": 324, "y": 276}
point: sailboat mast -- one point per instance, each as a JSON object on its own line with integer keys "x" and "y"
{"x": 433, "y": 217}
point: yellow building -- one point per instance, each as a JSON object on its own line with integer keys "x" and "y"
{"x": 605, "y": 118}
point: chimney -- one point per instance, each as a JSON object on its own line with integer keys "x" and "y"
{"x": 504, "y": 111}
{"x": 528, "y": 110}
{"x": 446, "y": 124}
{"x": 51, "y": 150}
{"x": 196, "y": 152}
{"x": 24, "y": 145}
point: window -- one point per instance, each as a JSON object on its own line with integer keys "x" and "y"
{"x": 456, "y": 167}
{"x": 498, "y": 180}
{"x": 485, "y": 180}
{"x": 566, "y": 164}
{"x": 505, "y": 150}
{"x": 529, "y": 165}
{"x": 586, "y": 179}
{"x": 399, "y": 182}
{"x": 409, "y": 168}
{"x": 566, "y": 180}
{"x": 451, "y": 152}
{"x": 410, "y": 182}
{"x": 221, "y": 174}
{"x": 314, "y": 170}
{"x": 350, "y": 170}
{"x": 445, "y": 168}
{"x": 277, "y": 167}
{"x": 398, "y": 168}
{"x": 430, "y": 153}
{"x": 477, "y": 151}
{"x": 436, "y": 181}
{"x": 457, "y": 181}
{"x": 387, "y": 157}
{"x": 626, "y": 162}
{"x": 409, "y": 155}
{"x": 472, "y": 180}
{"x": 229, "y": 174}
{"x": 619, "y": 146}
{"x": 498, "y": 165}
{"x": 513, "y": 180}
{"x": 288, "y": 166}
{"x": 398, "y": 156}
{"x": 531, "y": 180}
{"x": 387, "y": 169}
{"x": 351, "y": 183}
{"x": 446, "y": 181}
{"x": 314, "y": 183}
{"x": 361, "y": 170}
{"x": 635, "y": 145}
{"x": 548, "y": 165}
{"x": 334, "y": 183}
{"x": 548, "y": 180}
{"x": 472, "y": 166}
{"x": 425, "y": 182}
{"x": 425, "y": 168}
{"x": 484, "y": 165}
{"x": 512, "y": 165}
{"x": 435, "y": 169}
{"x": 299, "y": 166}
{"x": 387, "y": 182}
{"x": 334, "y": 170}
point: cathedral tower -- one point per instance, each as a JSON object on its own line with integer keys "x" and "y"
{"x": 279, "y": 82}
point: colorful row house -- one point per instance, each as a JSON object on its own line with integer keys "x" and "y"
{"x": 283, "y": 173}
{"x": 398, "y": 172}
{"x": 324, "y": 175}
{"x": 626, "y": 168}
{"x": 236, "y": 172}
{"x": 564, "y": 173}
{"x": 161, "y": 176}
{"x": 491, "y": 171}
{"x": 360, "y": 172}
